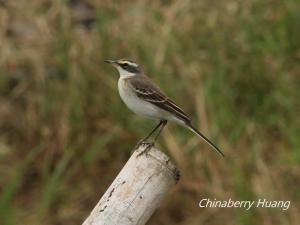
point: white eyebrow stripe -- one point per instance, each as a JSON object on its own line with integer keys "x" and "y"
{"x": 130, "y": 63}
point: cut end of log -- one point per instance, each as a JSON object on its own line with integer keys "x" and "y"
{"x": 161, "y": 157}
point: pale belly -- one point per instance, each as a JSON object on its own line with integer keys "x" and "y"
{"x": 139, "y": 106}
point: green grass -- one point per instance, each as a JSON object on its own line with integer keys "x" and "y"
{"x": 14, "y": 184}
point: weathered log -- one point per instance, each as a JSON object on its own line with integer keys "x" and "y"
{"x": 137, "y": 190}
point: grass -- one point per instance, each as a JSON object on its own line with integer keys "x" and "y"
{"x": 234, "y": 68}
{"x": 13, "y": 185}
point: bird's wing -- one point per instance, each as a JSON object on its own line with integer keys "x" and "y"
{"x": 148, "y": 91}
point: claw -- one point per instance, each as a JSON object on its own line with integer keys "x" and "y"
{"x": 146, "y": 149}
{"x": 140, "y": 142}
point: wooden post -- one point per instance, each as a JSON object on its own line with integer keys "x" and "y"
{"x": 137, "y": 191}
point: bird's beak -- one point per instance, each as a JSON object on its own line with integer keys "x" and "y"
{"x": 110, "y": 61}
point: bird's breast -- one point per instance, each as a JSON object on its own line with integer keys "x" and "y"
{"x": 126, "y": 94}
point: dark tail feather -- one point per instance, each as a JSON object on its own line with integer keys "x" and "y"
{"x": 205, "y": 139}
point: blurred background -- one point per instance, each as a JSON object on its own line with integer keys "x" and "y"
{"x": 65, "y": 134}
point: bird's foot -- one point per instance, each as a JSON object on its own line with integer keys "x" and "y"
{"x": 148, "y": 146}
{"x": 141, "y": 142}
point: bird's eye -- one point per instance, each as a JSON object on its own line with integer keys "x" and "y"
{"x": 125, "y": 65}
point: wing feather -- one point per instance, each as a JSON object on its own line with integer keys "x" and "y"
{"x": 148, "y": 91}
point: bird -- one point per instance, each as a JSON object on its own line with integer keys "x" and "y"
{"x": 145, "y": 98}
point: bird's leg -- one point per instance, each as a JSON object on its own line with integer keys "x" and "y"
{"x": 164, "y": 123}
{"x": 161, "y": 126}
{"x": 143, "y": 141}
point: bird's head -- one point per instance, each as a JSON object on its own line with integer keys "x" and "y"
{"x": 125, "y": 67}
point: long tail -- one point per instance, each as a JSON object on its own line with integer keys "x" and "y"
{"x": 205, "y": 139}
